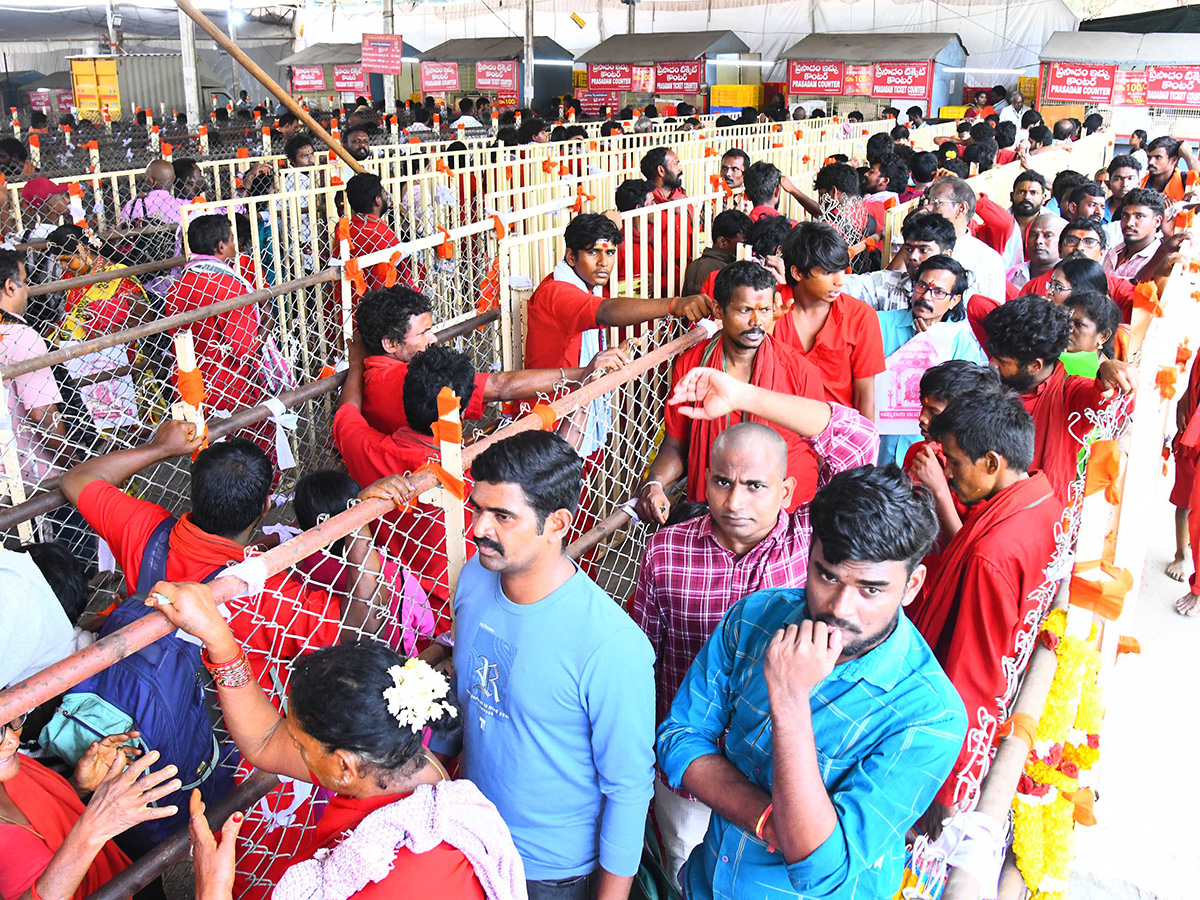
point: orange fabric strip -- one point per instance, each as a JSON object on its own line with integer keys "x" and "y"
{"x": 355, "y": 274}
{"x": 1165, "y": 381}
{"x": 447, "y": 431}
{"x": 455, "y": 486}
{"x": 1104, "y": 467}
{"x": 191, "y": 386}
{"x": 1105, "y": 598}
{"x": 546, "y": 413}
{"x": 1083, "y": 800}
{"x": 1145, "y": 296}
{"x": 447, "y": 401}
{"x": 1128, "y": 644}
{"x": 1021, "y": 725}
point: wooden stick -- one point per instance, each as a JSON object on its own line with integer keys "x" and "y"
{"x": 268, "y": 82}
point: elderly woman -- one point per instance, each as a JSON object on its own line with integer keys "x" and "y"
{"x": 359, "y": 721}
{"x": 52, "y": 845}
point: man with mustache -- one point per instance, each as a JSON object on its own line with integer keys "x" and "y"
{"x": 815, "y": 722}
{"x": 662, "y": 169}
{"x": 1041, "y": 251}
{"x": 369, "y": 230}
{"x": 939, "y": 311}
{"x": 1142, "y": 216}
{"x": 1162, "y": 167}
{"x": 692, "y": 572}
{"x": 1028, "y": 196}
{"x": 745, "y": 303}
{"x": 1024, "y": 340}
{"x": 971, "y": 609}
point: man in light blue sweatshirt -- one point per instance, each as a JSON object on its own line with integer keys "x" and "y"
{"x": 556, "y": 682}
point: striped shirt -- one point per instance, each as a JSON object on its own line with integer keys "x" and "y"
{"x": 888, "y": 727}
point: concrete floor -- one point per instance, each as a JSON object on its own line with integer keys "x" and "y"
{"x": 1146, "y": 843}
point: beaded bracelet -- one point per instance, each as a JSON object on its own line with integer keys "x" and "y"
{"x": 233, "y": 674}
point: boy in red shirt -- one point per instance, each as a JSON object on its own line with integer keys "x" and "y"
{"x": 368, "y": 202}
{"x": 838, "y": 333}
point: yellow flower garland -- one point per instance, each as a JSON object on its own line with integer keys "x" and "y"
{"x": 1043, "y": 817}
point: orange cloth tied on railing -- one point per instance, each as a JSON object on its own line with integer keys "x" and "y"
{"x": 191, "y": 386}
{"x": 455, "y": 486}
{"x": 710, "y": 151}
{"x": 1145, "y": 296}
{"x": 580, "y": 199}
{"x": 1021, "y": 725}
{"x": 343, "y": 229}
{"x": 391, "y": 275}
{"x": 445, "y": 249}
{"x": 1165, "y": 381}
{"x": 1105, "y": 598}
{"x": 489, "y": 291}
{"x": 1127, "y": 643}
{"x": 1104, "y": 466}
{"x": 546, "y": 413}
{"x": 1183, "y": 353}
{"x": 549, "y": 165}
{"x": 355, "y": 274}
{"x": 498, "y": 224}
{"x": 1084, "y": 800}
{"x": 450, "y": 432}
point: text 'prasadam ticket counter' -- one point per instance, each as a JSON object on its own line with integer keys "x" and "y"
{"x": 1147, "y": 81}
{"x": 867, "y": 72}
{"x": 494, "y": 68}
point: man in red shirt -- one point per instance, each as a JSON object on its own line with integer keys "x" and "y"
{"x": 1085, "y": 237}
{"x": 228, "y": 345}
{"x": 762, "y": 181}
{"x": 1024, "y": 339}
{"x": 662, "y": 169}
{"x": 369, "y": 232}
{"x": 975, "y": 601}
{"x": 838, "y": 333}
{"x": 396, "y": 323}
{"x": 565, "y": 315}
{"x": 635, "y": 193}
{"x": 745, "y": 300}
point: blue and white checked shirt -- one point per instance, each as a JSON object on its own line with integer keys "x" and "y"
{"x": 888, "y": 728}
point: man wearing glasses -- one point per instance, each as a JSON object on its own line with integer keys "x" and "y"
{"x": 954, "y": 199}
{"x": 939, "y": 316}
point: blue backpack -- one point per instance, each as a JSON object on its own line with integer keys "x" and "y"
{"x": 159, "y": 692}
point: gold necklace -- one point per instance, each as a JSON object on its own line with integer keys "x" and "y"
{"x": 441, "y": 770}
{"x": 28, "y": 828}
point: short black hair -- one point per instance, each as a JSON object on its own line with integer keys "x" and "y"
{"x": 767, "y": 235}
{"x": 894, "y": 169}
{"x": 1087, "y": 189}
{"x": 206, "y": 232}
{"x": 1064, "y": 130}
{"x": 286, "y": 118}
{"x": 953, "y": 378}
{"x": 874, "y": 514}
{"x": 1093, "y": 122}
{"x": 730, "y": 223}
{"x": 762, "y": 181}
{"x": 1030, "y": 176}
{"x": 547, "y": 469}
{"x": 1124, "y": 161}
{"x": 10, "y": 266}
{"x": 337, "y": 697}
{"x": 854, "y": 116}
{"x": 530, "y": 127}
{"x": 610, "y": 127}
{"x": 1027, "y": 329}
{"x": 879, "y": 147}
{"x": 65, "y": 238}
{"x": 558, "y": 133}
{"x": 231, "y": 481}
{"x": 923, "y": 225}
{"x": 1147, "y": 197}
{"x": 325, "y": 492}
{"x": 988, "y": 422}
{"x": 982, "y": 154}
{"x": 1040, "y": 136}
{"x": 962, "y": 281}
{"x": 65, "y": 575}
{"x": 1031, "y": 117}
{"x": 982, "y": 131}
{"x": 295, "y": 144}
{"x": 362, "y": 191}
{"x": 923, "y": 167}
{"x": 387, "y": 313}
{"x": 586, "y": 229}
{"x": 1084, "y": 274}
{"x": 15, "y": 148}
{"x": 1100, "y": 308}
{"x": 631, "y": 193}
{"x": 914, "y": 111}
{"x": 812, "y": 245}
{"x": 1006, "y": 134}
{"x": 1091, "y": 224}
{"x": 838, "y": 176}
{"x": 737, "y": 153}
{"x": 900, "y": 133}
{"x": 1164, "y": 143}
{"x": 655, "y": 158}
{"x": 357, "y": 126}
{"x": 743, "y": 273}
{"x": 432, "y": 369}
{"x": 1065, "y": 182}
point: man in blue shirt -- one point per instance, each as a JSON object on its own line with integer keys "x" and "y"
{"x": 838, "y": 725}
{"x": 939, "y": 310}
{"x": 556, "y": 682}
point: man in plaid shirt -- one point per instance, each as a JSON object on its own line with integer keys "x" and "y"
{"x": 694, "y": 571}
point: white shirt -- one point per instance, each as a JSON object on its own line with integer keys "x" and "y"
{"x": 36, "y": 631}
{"x": 983, "y": 264}
{"x": 1012, "y": 114}
{"x": 468, "y": 122}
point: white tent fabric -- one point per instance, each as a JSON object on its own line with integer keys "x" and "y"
{"x": 999, "y": 34}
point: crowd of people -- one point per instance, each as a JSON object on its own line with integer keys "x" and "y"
{"x": 820, "y": 617}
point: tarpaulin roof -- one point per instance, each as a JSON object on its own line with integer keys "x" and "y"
{"x": 333, "y": 55}
{"x": 1157, "y": 21}
{"x": 1121, "y": 48}
{"x": 88, "y": 22}
{"x": 475, "y": 49}
{"x": 664, "y": 47}
{"x": 58, "y": 80}
{"x": 868, "y": 48}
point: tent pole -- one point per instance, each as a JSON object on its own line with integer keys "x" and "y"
{"x": 186, "y": 10}
{"x": 631, "y": 29}
{"x": 528, "y": 53}
{"x": 191, "y": 85}
{"x": 237, "y": 79}
{"x": 389, "y": 81}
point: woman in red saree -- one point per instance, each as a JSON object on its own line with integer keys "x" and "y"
{"x": 54, "y": 847}
{"x": 359, "y": 721}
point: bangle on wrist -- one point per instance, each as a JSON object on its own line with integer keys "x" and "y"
{"x": 648, "y": 483}
{"x": 762, "y": 821}
{"x": 233, "y": 674}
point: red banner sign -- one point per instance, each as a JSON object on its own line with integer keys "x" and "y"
{"x": 506, "y": 100}
{"x": 39, "y": 100}
{"x": 496, "y": 75}
{"x": 902, "y": 80}
{"x": 1129, "y": 88}
{"x": 679, "y": 77}
{"x": 1177, "y": 86}
{"x": 308, "y": 78}
{"x": 438, "y": 77}
{"x": 383, "y": 53}
{"x": 610, "y": 77}
{"x": 591, "y": 101}
{"x": 349, "y": 79}
{"x": 642, "y": 80}
{"x": 806, "y": 76}
{"x": 1080, "y": 83}
{"x": 858, "y": 80}
{"x": 65, "y": 99}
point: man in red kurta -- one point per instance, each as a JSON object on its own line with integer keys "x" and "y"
{"x": 662, "y": 169}
{"x": 838, "y": 333}
{"x": 974, "y": 605}
{"x": 1085, "y": 237}
{"x": 745, "y": 293}
{"x": 1025, "y": 338}
{"x": 1185, "y": 495}
{"x": 228, "y": 345}
{"x": 369, "y": 233}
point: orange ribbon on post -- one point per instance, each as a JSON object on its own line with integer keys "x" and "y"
{"x": 1145, "y": 296}
{"x": 354, "y": 272}
{"x": 456, "y": 486}
{"x": 546, "y": 413}
{"x": 1103, "y": 470}
{"x": 1084, "y": 801}
{"x": 445, "y": 249}
{"x": 1105, "y": 598}
{"x": 489, "y": 291}
{"x": 1165, "y": 381}
{"x": 1020, "y": 725}
{"x": 392, "y": 274}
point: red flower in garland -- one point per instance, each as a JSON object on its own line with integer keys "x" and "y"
{"x": 1040, "y": 790}
{"x": 1049, "y": 638}
{"x": 1093, "y": 741}
{"x": 1025, "y": 785}
{"x": 1054, "y": 757}
{"x": 1069, "y": 769}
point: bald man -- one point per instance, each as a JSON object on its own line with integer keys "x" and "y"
{"x": 694, "y": 571}
{"x": 156, "y": 203}
{"x": 1041, "y": 252}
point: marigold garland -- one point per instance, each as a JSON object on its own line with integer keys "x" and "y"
{"x": 1067, "y": 743}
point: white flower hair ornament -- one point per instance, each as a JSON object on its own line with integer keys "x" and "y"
{"x": 417, "y": 694}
